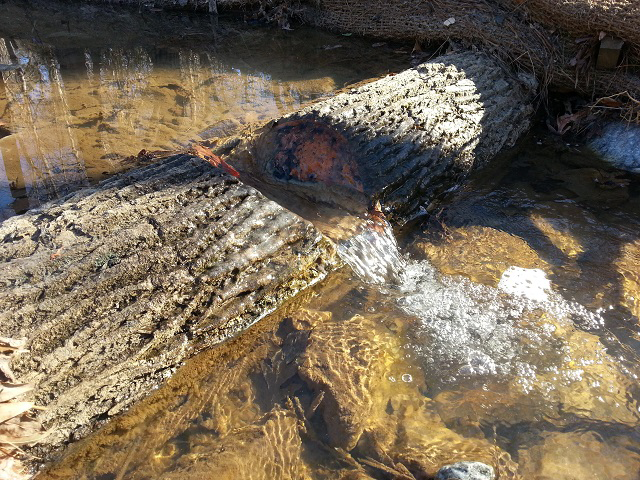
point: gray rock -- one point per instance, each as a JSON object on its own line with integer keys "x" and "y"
{"x": 619, "y": 144}
{"x": 466, "y": 471}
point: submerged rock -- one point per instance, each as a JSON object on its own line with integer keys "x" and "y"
{"x": 580, "y": 455}
{"x": 480, "y": 253}
{"x": 466, "y": 471}
{"x": 411, "y": 433}
{"x": 346, "y": 361}
{"x": 628, "y": 266}
{"x": 269, "y": 449}
{"x": 595, "y": 186}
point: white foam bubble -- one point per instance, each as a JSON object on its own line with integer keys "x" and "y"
{"x": 619, "y": 144}
{"x": 531, "y": 283}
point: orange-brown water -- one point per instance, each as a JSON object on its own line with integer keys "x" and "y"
{"x": 351, "y": 380}
{"x": 354, "y": 380}
{"x": 97, "y": 85}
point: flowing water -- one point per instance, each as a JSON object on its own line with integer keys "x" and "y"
{"x": 502, "y": 329}
{"x": 373, "y": 255}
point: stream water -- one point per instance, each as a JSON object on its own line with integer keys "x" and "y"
{"x": 98, "y": 85}
{"x": 503, "y": 329}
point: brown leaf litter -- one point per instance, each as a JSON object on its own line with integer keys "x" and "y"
{"x": 17, "y": 424}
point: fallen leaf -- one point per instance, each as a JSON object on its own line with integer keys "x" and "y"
{"x": 20, "y": 430}
{"x": 207, "y": 155}
{"x": 12, "y": 469}
{"x": 16, "y": 428}
{"x": 12, "y": 390}
{"x": 13, "y": 409}
{"x": 57, "y": 254}
{"x": 564, "y": 123}
{"x": 23, "y": 440}
{"x": 609, "y": 102}
{"x": 22, "y": 426}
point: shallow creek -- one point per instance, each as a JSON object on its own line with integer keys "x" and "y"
{"x": 98, "y": 85}
{"x": 509, "y": 335}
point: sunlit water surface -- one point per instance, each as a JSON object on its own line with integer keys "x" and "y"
{"x": 504, "y": 329}
{"x": 98, "y": 85}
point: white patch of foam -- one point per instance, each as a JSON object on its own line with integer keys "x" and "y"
{"x": 531, "y": 283}
{"x": 469, "y": 330}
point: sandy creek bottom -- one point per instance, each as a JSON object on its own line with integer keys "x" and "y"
{"x": 511, "y": 339}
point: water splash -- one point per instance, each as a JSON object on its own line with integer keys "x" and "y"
{"x": 467, "y": 332}
{"x": 373, "y": 254}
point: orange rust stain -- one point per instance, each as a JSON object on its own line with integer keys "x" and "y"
{"x": 311, "y": 151}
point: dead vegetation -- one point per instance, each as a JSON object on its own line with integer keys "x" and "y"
{"x": 18, "y": 427}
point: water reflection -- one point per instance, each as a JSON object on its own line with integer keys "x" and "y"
{"x": 41, "y": 159}
{"x": 76, "y": 111}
